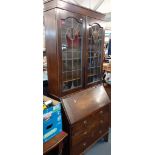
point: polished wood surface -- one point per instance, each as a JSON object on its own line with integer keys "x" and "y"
{"x": 51, "y": 4}
{"x": 54, "y": 142}
{"x": 98, "y": 120}
{"x": 54, "y": 12}
{"x": 51, "y": 48}
{"x": 86, "y": 108}
{"x": 85, "y": 102}
{"x": 86, "y": 118}
{"x": 108, "y": 90}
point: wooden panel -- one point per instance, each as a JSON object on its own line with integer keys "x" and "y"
{"x": 49, "y": 5}
{"x": 102, "y": 122}
{"x": 76, "y": 139}
{"x": 51, "y": 51}
{"x": 73, "y": 8}
{"x": 102, "y": 112}
{"x": 97, "y": 126}
{"x": 88, "y": 140}
{"x": 83, "y": 103}
{"x": 82, "y": 125}
{"x": 79, "y": 148}
{"x": 49, "y": 145}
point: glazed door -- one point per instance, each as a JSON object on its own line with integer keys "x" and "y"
{"x": 94, "y": 53}
{"x": 71, "y": 38}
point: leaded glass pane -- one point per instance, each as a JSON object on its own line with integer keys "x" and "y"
{"x": 94, "y": 53}
{"x": 71, "y": 39}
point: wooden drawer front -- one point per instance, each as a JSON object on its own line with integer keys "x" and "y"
{"x": 99, "y": 132}
{"x": 88, "y": 130}
{"x": 78, "y": 149}
{"x": 78, "y": 138}
{"x": 83, "y": 141}
{"x": 104, "y": 120}
{"x": 82, "y": 125}
{"x": 92, "y": 134}
{"x": 101, "y": 117}
{"x": 88, "y": 133}
{"x": 104, "y": 127}
{"x": 102, "y": 111}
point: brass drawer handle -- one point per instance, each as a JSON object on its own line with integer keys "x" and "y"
{"x": 101, "y": 112}
{"x": 85, "y": 122}
{"x": 84, "y": 144}
{"x": 101, "y": 121}
{"x": 100, "y": 131}
{"x": 85, "y": 133}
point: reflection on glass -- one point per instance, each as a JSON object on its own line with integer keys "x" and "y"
{"x": 45, "y": 76}
{"x": 71, "y": 39}
{"x": 94, "y": 53}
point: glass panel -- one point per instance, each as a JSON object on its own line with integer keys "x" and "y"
{"x": 45, "y": 74}
{"x": 71, "y": 39}
{"x": 94, "y": 53}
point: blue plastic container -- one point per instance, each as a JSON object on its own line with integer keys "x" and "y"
{"x": 52, "y": 122}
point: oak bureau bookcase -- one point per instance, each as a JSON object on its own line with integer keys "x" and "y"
{"x": 74, "y": 39}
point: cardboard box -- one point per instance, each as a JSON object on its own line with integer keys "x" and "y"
{"x": 52, "y": 120}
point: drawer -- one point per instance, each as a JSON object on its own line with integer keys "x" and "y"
{"x": 88, "y": 133}
{"x": 103, "y": 120}
{"x": 78, "y": 138}
{"x": 102, "y": 116}
{"x": 97, "y": 133}
{"x": 104, "y": 127}
{"x": 93, "y": 132}
{"x": 87, "y": 140}
{"x": 80, "y": 134}
{"x": 82, "y": 125}
{"x": 100, "y": 131}
{"x": 103, "y": 110}
{"x": 78, "y": 149}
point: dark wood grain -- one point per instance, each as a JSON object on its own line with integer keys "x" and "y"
{"x": 54, "y": 11}
{"x": 49, "y": 5}
{"x": 87, "y": 118}
{"x": 65, "y": 5}
{"x": 54, "y": 142}
{"x": 86, "y": 109}
{"x": 52, "y": 58}
{"x": 85, "y": 102}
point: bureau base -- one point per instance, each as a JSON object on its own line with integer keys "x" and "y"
{"x": 85, "y": 119}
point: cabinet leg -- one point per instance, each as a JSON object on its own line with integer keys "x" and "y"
{"x": 60, "y": 148}
{"x": 106, "y": 137}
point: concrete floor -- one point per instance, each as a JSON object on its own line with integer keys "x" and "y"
{"x": 101, "y": 147}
